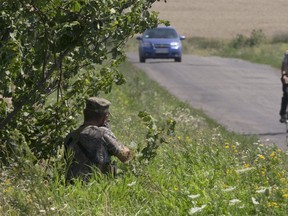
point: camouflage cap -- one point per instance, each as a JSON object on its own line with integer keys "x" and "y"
{"x": 99, "y": 105}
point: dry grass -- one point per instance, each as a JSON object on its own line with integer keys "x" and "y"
{"x": 224, "y": 18}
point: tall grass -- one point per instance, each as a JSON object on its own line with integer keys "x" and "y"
{"x": 200, "y": 169}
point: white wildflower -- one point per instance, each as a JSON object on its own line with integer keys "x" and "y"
{"x": 255, "y": 201}
{"x": 196, "y": 209}
{"x": 42, "y": 211}
{"x": 229, "y": 189}
{"x": 131, "y": 184}
{"x": 245, "y": 169}
{"x": 263, "y": 190}
{"x": 194, "y": 196}
{"x": 234, "y": 201}
{"x": 112, "y": 11}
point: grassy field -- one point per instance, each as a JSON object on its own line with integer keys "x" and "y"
{"x": 199, "y": 169}
{"x": 224, "y": 18}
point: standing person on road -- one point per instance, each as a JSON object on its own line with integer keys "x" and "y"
{"x": 284, "y": 80}
{"x": 93, "y": 143}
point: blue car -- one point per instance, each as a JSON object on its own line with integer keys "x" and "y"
{"x": 162, "y": 42}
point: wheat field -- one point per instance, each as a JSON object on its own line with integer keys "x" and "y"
{"x": 224, "y": 18}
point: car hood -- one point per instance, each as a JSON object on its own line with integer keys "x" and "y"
{"x": 161, "y": 40}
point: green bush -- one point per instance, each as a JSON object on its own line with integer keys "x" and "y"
{"x": 256, "y": 38}
{"x": 239, "y": 41}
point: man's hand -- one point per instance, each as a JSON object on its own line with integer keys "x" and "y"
{"x": 125, "y": 154}
{"x": 285, "y": 79}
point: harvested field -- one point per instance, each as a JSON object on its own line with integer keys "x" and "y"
{"x": 224, "y": 18}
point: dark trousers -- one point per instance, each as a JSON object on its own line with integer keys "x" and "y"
{"x": 284, "y": 102}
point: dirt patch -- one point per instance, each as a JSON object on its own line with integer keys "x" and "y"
{"x": 224, "y": 18}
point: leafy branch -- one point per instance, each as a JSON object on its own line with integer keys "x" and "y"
{"x": 155, "y": 136}
{"x": 66, "y": 50}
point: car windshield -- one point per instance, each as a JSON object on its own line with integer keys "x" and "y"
{"x": 160, "y": 33}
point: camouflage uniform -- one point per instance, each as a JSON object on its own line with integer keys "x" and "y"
{"x": 91, "y": 146}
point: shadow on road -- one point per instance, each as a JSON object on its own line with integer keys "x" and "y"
{"x": 271, "y": 134}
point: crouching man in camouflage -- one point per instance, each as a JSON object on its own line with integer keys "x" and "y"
{"x": 93, "y": 143}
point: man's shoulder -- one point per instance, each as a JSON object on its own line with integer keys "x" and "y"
{"x": 93, "y": 130}
{"x": 90, "y": 129}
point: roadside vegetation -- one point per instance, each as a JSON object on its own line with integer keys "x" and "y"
{"x": 185, "y": 163}
{"x": 255, "y": 48}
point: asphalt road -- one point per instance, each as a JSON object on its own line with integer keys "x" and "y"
{"x": 242, "y": 96}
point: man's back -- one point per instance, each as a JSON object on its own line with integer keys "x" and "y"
{"x": 88, "y": 149}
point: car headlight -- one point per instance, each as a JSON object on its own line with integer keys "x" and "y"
{"x": 146, "y": 44}
{"x": 175, "y": 45}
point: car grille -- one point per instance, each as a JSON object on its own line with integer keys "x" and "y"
{"x": 161, "y": 45}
